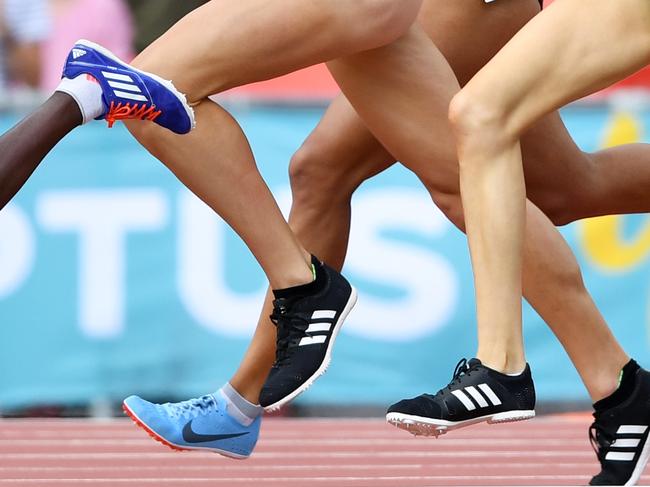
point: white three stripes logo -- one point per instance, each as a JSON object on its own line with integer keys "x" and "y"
{"x": 636, "y": 433}
{"x": 77, "y": 53}
{"x": 321, "y": 321}
{"x": 486, "y": 399}
{"x": 124, "y": 86}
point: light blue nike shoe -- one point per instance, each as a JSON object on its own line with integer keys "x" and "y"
{"x": 197, "y": 424}
{"x": 127, "y": 92}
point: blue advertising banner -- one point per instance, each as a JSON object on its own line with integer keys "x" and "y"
{"x": 115, "y": 280}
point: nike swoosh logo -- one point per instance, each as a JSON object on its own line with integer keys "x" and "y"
{"x": 191, "y": 437}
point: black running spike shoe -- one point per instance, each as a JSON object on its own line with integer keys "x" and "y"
{"x": 475, "y": 394}
{"x": 307, "y": 326}
{"x": 619, "y": 433}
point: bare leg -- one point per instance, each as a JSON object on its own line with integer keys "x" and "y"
{"x": 331, "y": 163}
{"x": 228, "y": 53}
{"x": 296, "y": 34}
{"x": 24, "y": 147}
{"x": 490, "y": 115}
{"x": 235, "y": 56}
{"x": 347, "y": 155}
{"x": 325, "y": 171}
{"x": 419, "y": 151}
{"x": 568, "y": 184}
{"x": 352, "y": 74}
{"x": 223, "y": 173}
{"x": 232, "y": 186}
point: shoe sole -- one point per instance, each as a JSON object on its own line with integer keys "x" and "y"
{"x": 134, "y": 417}
{"x": 352, "y": 300}
{"x": 422, "y": 426}
{"x": 166, "y": 83}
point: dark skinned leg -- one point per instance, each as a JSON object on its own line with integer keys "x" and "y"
{"x": 24, "y": 146}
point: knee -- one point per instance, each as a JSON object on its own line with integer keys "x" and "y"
{"x": 557, "y": 207}
{"x": 566, "y": 199}
{"x": 314, "y": 182}
{"x": 398, "y": 16}
{"x": 557, "y": 210}
{"x": 479, "y": 124}
{"x": 386, "y": 20}
{"x": 302, "y": 173}
{"x": 470, "y": 113}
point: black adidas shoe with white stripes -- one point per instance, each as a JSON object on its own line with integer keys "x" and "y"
{"x": 475, "y": 394}
{"x": 620, "y": 430}
{"x": 307, "y": 326}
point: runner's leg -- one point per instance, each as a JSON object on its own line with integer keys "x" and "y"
{"x": 338, "y": 155}
{"x": 493, "y": 111}
{"x": 432, "y": 120}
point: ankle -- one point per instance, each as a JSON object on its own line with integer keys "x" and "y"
{"x": 294, "y": 276}
{"x": 503, "y": 362}
{"x": 87, "y": 94}
{"x": 248, "y": 389}
{"x": 317, "y": 281}
{"x": 239, "y": 407}
{"x": 605, "y": 382}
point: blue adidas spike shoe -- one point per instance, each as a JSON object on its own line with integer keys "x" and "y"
{"x": 197, "y": 424}
{"x": 129, "y": 93}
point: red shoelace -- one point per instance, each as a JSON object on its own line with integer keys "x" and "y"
{"x": 131, "y": 111}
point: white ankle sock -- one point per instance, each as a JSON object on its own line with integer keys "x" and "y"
{"x": 87, "y": 93}
{"x": 244, "y": 411}
{"x": 517, "y": 373}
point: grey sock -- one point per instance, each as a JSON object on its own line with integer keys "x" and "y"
{"x": 242, "y": 410}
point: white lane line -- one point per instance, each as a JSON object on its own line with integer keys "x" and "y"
{"x": 302, "y": 455}
{"x": 308, "y": 479}
{"x": 278, "y": 424}
{"x": 388, "y": 433}
{"x": 297, "y": 443}
{"x": 220, "y": 468}
{"x": 248, "y": 467}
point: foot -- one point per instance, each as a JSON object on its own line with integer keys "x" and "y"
{"x": 307, "y": 326}
{"x": 128, "y": 93}
{"x": 619, "y": 435}
{"x": 197, "y": 424}
{"x": 475, "y": 394}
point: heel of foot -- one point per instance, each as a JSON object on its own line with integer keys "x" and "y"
{"x": 511, "y": 417}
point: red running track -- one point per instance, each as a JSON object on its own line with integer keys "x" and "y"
{"x": 307, "y": 452}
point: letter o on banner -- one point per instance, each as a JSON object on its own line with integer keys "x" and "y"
{"x": 17, "y": 249}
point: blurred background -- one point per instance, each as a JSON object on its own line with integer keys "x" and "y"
{"x": 115, "y": 280}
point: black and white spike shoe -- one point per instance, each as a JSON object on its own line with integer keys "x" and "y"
{"x": 307, "y": 326}
{"x": 619, "y": 433}
{"x": 475, "y": 394}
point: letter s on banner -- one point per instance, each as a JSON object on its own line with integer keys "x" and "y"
{"x": 430, "y": 282}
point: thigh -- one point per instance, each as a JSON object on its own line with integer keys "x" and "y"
{"x": 571, "y": 49}
{"x": 470, "y": 32}
{"x": 225, "y": 43}
{"x": 402, "y": 93}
